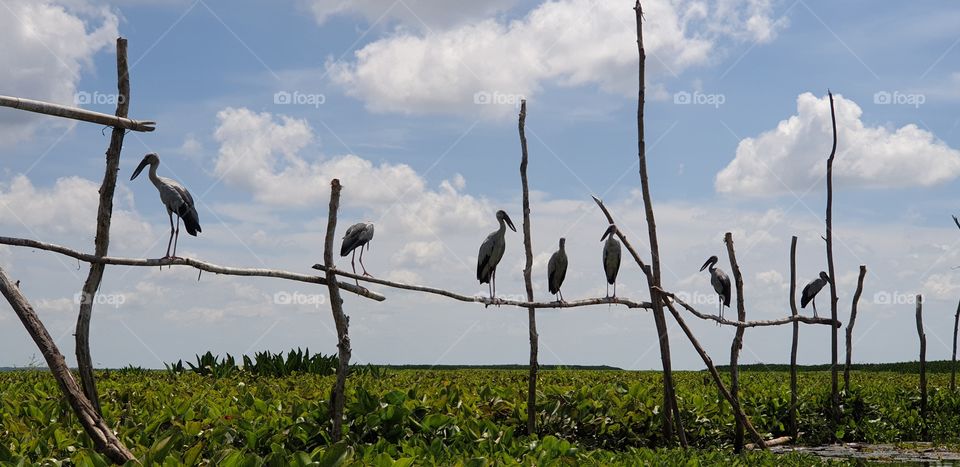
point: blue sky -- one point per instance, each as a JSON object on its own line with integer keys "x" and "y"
{"x": 390, "y": 100}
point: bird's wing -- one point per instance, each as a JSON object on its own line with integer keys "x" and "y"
{"x": 351, "y": 239}
{"x": 810, "y": 290}
{"x": 184, "y": 206}
{"x": 721, "y": 284}
{"x": 484, "y": 257}
{"x": 611, "y": 259}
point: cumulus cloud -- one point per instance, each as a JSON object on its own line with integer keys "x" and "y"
{"x": 69, "y": 209}
{"x": 792, "y": 156}
{"x": 47, "y": 46}
{"x": 570, "y": 42}
{"x": 419, "y": 14}
{"x": 261, "y": 153}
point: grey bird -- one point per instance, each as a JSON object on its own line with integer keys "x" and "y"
{"x": 177, "y": 200}
{"x": 720, "y": 282}
{"x": 611, "y": 258}
{"x": 491, "y": 251}
{"x": 811, "y": 290}
{"x": 357, "y": 236}
{"x": 557, "y": 270}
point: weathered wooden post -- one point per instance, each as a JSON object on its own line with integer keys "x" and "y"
{"x": 737, "y": 339}
{"x": 853, "y": 318}
{"x": 923, "y": 367}
{"x": 342, "y": 322}
{"x": 796, "y": 337}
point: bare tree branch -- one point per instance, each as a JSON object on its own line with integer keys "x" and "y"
{"x": 749, "y": 324}
{"x": 853, "y": 319}
{"x": 527, "y": 280}
{"x": 75, "y": 113}
{"x": 835, "y": 392}
{"x": 796, "y": 338}
{"x": 342, "y": 322}
{"x": 923, "y": 368}
{"x": 737, "y": 338}
{"x": 194, "y": 263}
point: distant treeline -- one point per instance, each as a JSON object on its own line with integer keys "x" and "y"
{"x": 935, "y": 366}
{"x": 500, "y": 367}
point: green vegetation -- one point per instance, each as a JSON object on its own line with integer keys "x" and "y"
{"x": 462, "y": 417}
{"x": 934, "y": 366}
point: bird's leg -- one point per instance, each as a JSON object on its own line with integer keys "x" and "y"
{"x": 353, "y": 257}
{"x": 815, "y": 307}
{"x": 170, "y": 214}
{"x": 365, "y": 273}
{"x": 614, "y": 289}
{"x": 608, "y": 291}
{"x": 176, "y": 237}
{"x": 493, "y": 283}
{"x": 561, "y": 295}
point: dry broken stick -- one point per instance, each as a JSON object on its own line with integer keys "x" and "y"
{"x": 749, "y": 324}
{"x": 342, "y": 322}
{"x": 527, "y": 280}
{"x": 194, "y": 263}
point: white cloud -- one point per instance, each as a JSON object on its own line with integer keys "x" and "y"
{"x": 570, "y": 42}
{"x": 46, "y": 47}
{"x": 262, "y": 155}
{"x": 68, "y": 209}
{"x": 792, "y": 157}
{"x": 413, "y": 13}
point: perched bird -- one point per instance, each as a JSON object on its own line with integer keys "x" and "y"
{"x": 557, "y": 270}
{"x": 611, "y": 258}
{"x": 720, "y": 282}
{"x": 175, "y": 197}
{"x": 811, "y": 290}
{"x": 357, "y": 236}
{"x": 491, "y": 251}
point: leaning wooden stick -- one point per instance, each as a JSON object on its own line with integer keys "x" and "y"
{"x": 75, "y": 113}
{"x": 737, "y": 338}
{"x": 796, "y": 337}
{"x": 953, "y": 359}
{"x": 749, "y": 324}
{"x": 834, "y": 389}
{"x": 342, "y": 322}
{"x": 104, "y": 439}
{"x": 923, "y": 368}
{"x": 738, "y": 413}
{"x": 194, "y": 263}
{"x": 486, "y": 300}
{"x": 527, "y": 280}
{"x": 853, "y": 319}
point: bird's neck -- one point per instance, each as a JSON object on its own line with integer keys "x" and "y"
{"x": 712, "y": 267}
{"x": 503, "y": 226}
{"x": 153, "y": 175}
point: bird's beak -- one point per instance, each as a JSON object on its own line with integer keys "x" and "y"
{"x": 608, "y": 232}
{"x": 509, "y": 222}
{"x": 705, "y": 265}
{"x": 140, "y": 167}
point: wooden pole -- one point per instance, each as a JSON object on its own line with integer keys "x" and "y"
{"x": 853, "y": 318}
{"x": 953, "y": 359}
{"x": 923, "y": 368}
{"x": 102, "y": 239}
{"x": 834, "y": 386}
{"x": 337, "y": 396}
{"x": 74, "y": 113}
{"x": 738, "y": 413}
{"x": 669, "y": 397}
{"x": 104, "y": 440}
{"x": 737, "y": 339}
{"x": 527, "y": 280}
{"x": 796, "y": 338}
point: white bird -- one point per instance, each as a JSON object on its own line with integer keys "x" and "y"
{"x": 720, "y": 282}
{"x": 357, "y": 236}
{"x": 611, "y": 258}
{"x": 491, "y": 251}
{"x": 175, "y": 197}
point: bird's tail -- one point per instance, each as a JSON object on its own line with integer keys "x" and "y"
{"x": 191, "y": 220}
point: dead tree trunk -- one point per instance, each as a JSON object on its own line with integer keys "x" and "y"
{"x": 337, "y": 396}
{"x": 104, "y": 440}
{"x": 653, "y": 280}
{"x": 953, "y": 359}
{"x": 853, "y": 318}
{"x": 737, "y": 339}
{"x": 796, "y": 338}
{"x": 834, "y": 385}
{"x": 102, "y": 239}
{"x": 923, "y": 368}
{"x": 528, "y": 281}
{"x": 738, "y": 413}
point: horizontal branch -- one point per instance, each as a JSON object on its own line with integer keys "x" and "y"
{"x": 75, "y": 113}
{"x": 749, "y": 324}
{"x": 487, "y": 301}
{"x": 194, "y": 263}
